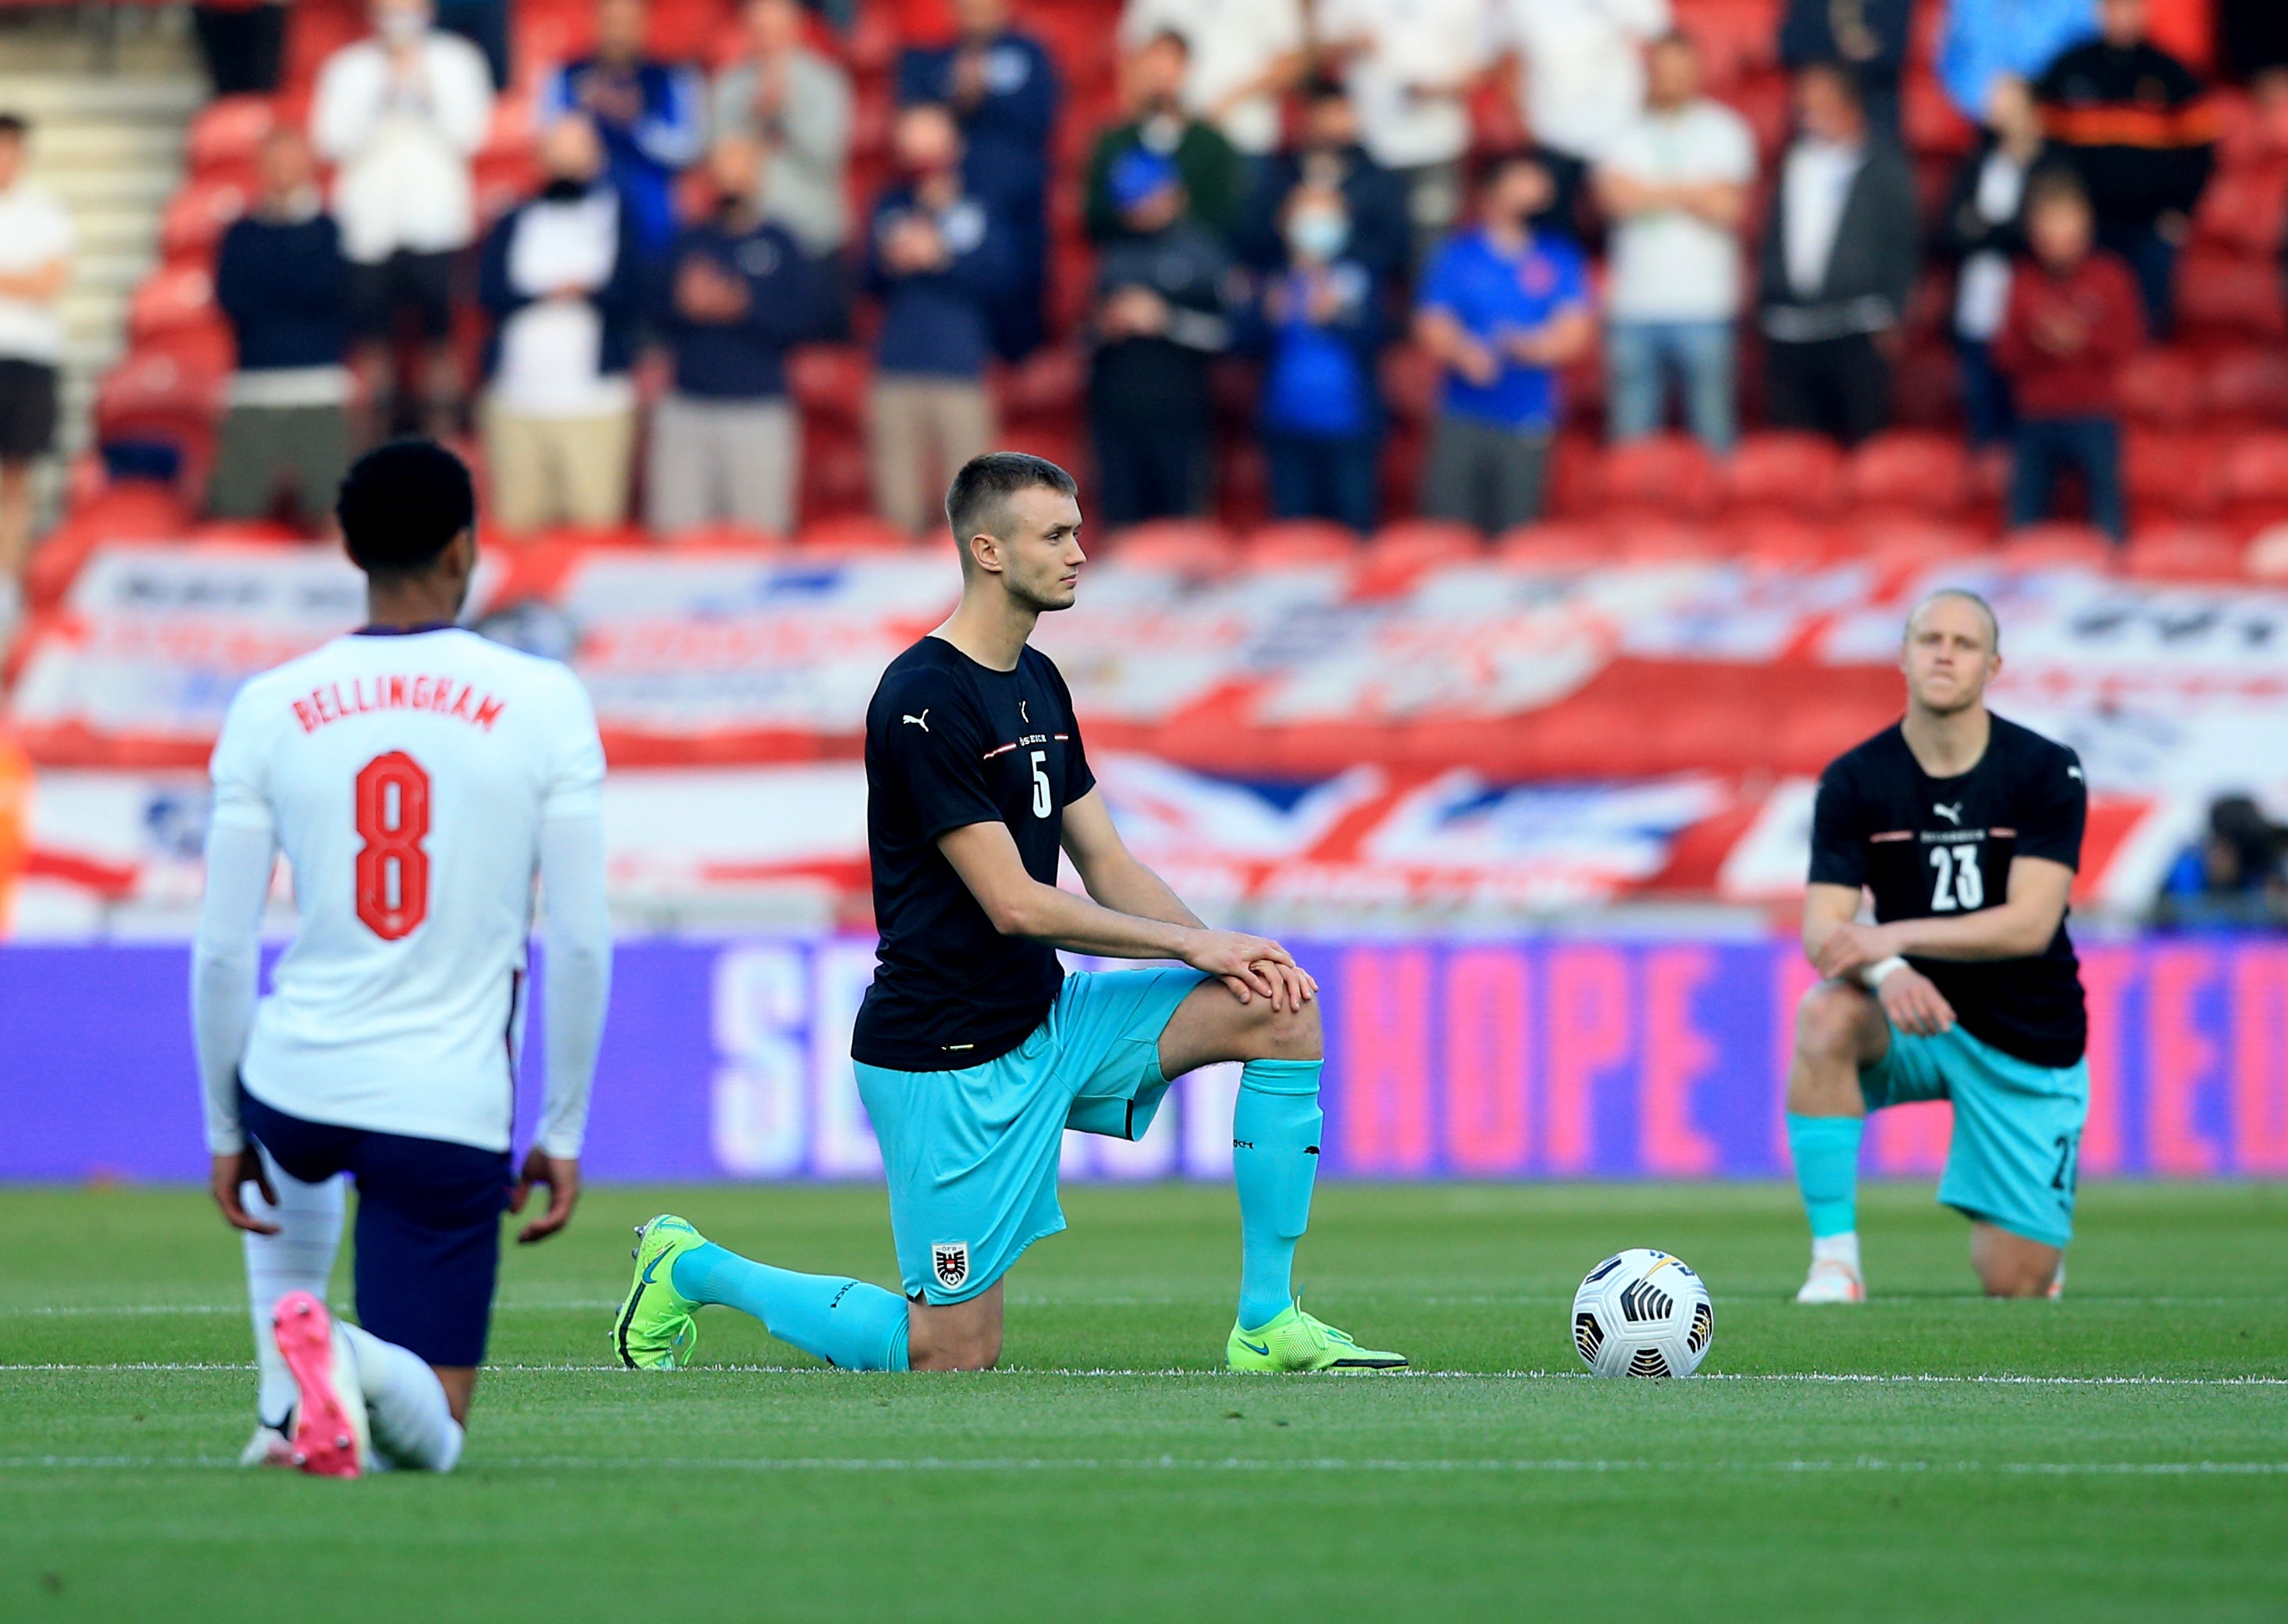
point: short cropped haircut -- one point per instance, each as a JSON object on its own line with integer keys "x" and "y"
{"x": 2054, "y": 183}
{"x": 1493, "y": 165}
{"x": 14, "y": 126}
{"x": 1993, "y": 621}
{"x": 1845, "y": 78}
{"x": 980, "y": 496}
{"x": 402, "y": 503}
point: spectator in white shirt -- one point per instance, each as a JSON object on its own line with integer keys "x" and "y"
{"x": 1411, "y": 65}
{"x": 1245, "y": 54}
{"x": 1675, "y": 184}
{"x": 401, "y": 115}
{"x": 36, "y": 254}
{"x": 563, "y": 278}
{"x": 795, "y": 104}
{"x": 1578, "y": 67}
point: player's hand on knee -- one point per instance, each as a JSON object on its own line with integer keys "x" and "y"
{"x": 1244, "y": 962}
{"x": 1914, "y": 1004}
{"x": 232, "y": 1172}
{"x": 1293, "y": 986}
{"x": 561, "y": 1174}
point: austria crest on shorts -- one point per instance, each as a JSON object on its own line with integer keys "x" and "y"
{"x": 950, "y": 1262}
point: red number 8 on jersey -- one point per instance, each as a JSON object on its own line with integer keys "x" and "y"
{"x": 392, "y": 870}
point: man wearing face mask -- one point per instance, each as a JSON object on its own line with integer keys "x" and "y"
{"x": 1329, "y": 155}
{"x": 563, "y": 279}
{"x": 937, "y": 256}
{"x": 726, "y": 441}
{"x": 1319, "y": 327}
{"x": 400, "y": 115}
{"x": 1163, "y": 292}
{"x": 1207, "y": 161}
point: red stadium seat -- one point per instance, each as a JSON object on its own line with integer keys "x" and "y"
{"x": 2227, "y": 293}
{"x": 2246, "y": 385}
{"x": 1193, "y": 546}
{"x": 1912, "y": 470}
{"x": 1576, "y": 476}
{"x": 1926, "y": 388}
{"x": 2183, "y": 552}
{"x": 1289, "y": 543}
{"x": 2159, "y": 387}
{"x": 829, "y": 381}
{"x": 2245, "y": 211}
{"x": 1734, "y": 39}
{"x": 1657, "y": 540}
{"x": 1775, "y": 540}
{"x": 1664, "y": 473}
{"x": 228, "y": 131}
{"x": 2171, "y": 474}
{"x": 1557, "y": 546}
{"x": 1929, "y": 121}
{"x": 1792, "y": 472}
{"x": 854, "y": 533}
{"x": 1409, "y": 382}
{"x": 1763, "y": 99}
{"x": 2256, "y": 480}
{"x": 2057, "y": 546}
{"x": 1913, "y": 543}
{"x": 198, "y": 215}
{"x": 158, "y": 395}
{"x": 723, "y": 538}
{"x": 1402, "y": 553}
{"x": 836, "y": 478}
{"x": 171, "y": 297}
{"x": 1049, "y": 384}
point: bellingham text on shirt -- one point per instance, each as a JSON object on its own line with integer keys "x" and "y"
{"x": 445, "y": 696}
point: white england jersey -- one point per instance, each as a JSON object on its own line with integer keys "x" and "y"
{"x": 405, "y": 776}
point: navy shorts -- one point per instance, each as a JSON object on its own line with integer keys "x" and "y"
{"x": 428, "y": 1227}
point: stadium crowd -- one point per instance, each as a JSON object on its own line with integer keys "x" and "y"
{"x": 1292, "y": 212}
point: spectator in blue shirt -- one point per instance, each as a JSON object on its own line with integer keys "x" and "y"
{"x": 1502, "y": 309}
{"x": 1002, "y": 88}
{"x": 285, "y": 287}
{"x": 652, "y": 117}
{"x": 937, "y": 255}
{"x": 726, "y": 441}
{"x": 1981, "y": 41}
{"x": 1319, "y": 329}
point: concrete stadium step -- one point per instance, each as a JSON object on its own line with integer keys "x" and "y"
{"x": 110, "y": 99}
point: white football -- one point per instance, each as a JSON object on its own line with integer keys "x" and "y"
{"x": 1642, "y": 1313}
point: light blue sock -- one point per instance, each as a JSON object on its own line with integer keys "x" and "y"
{"x": 1826, "y": 1152}
{"x": 1274, "y": 1162}
{"x": 846, "y": 1322}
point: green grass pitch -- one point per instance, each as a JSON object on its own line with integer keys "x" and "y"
{"x": 2121, "y": 1454}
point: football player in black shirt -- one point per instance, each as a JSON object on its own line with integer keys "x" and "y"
{"x": 974, "y": 1050}
{"x": 1967, "y": 830}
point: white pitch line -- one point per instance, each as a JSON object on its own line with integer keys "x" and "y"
{"x": 1845, "y": 1378}
{"x": 649, "y": 1464}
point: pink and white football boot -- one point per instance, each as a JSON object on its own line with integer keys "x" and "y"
{"x": 330, "y": 1438}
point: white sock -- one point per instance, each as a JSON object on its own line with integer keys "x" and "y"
{"x": 1843, "y": 1248}
{"x": 405, "y": 1404}
{"x": 299, "y": 1257}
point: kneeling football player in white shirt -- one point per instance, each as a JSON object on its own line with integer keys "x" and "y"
{"x": 417, "y": 778}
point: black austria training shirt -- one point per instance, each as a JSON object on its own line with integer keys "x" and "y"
{"x": 1933, "y": 848}
{"x": 951, "y": 742}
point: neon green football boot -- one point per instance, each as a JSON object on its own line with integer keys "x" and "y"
{"x": 1295, "y": 1340}
{"x": 655, "y": 1330}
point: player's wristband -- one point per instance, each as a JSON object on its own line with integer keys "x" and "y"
{"x": 1874, "y": 973}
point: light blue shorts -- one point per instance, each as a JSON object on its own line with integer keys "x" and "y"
{"x": 971, "y": 1156}
{"x": 2017, "y": 1126}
